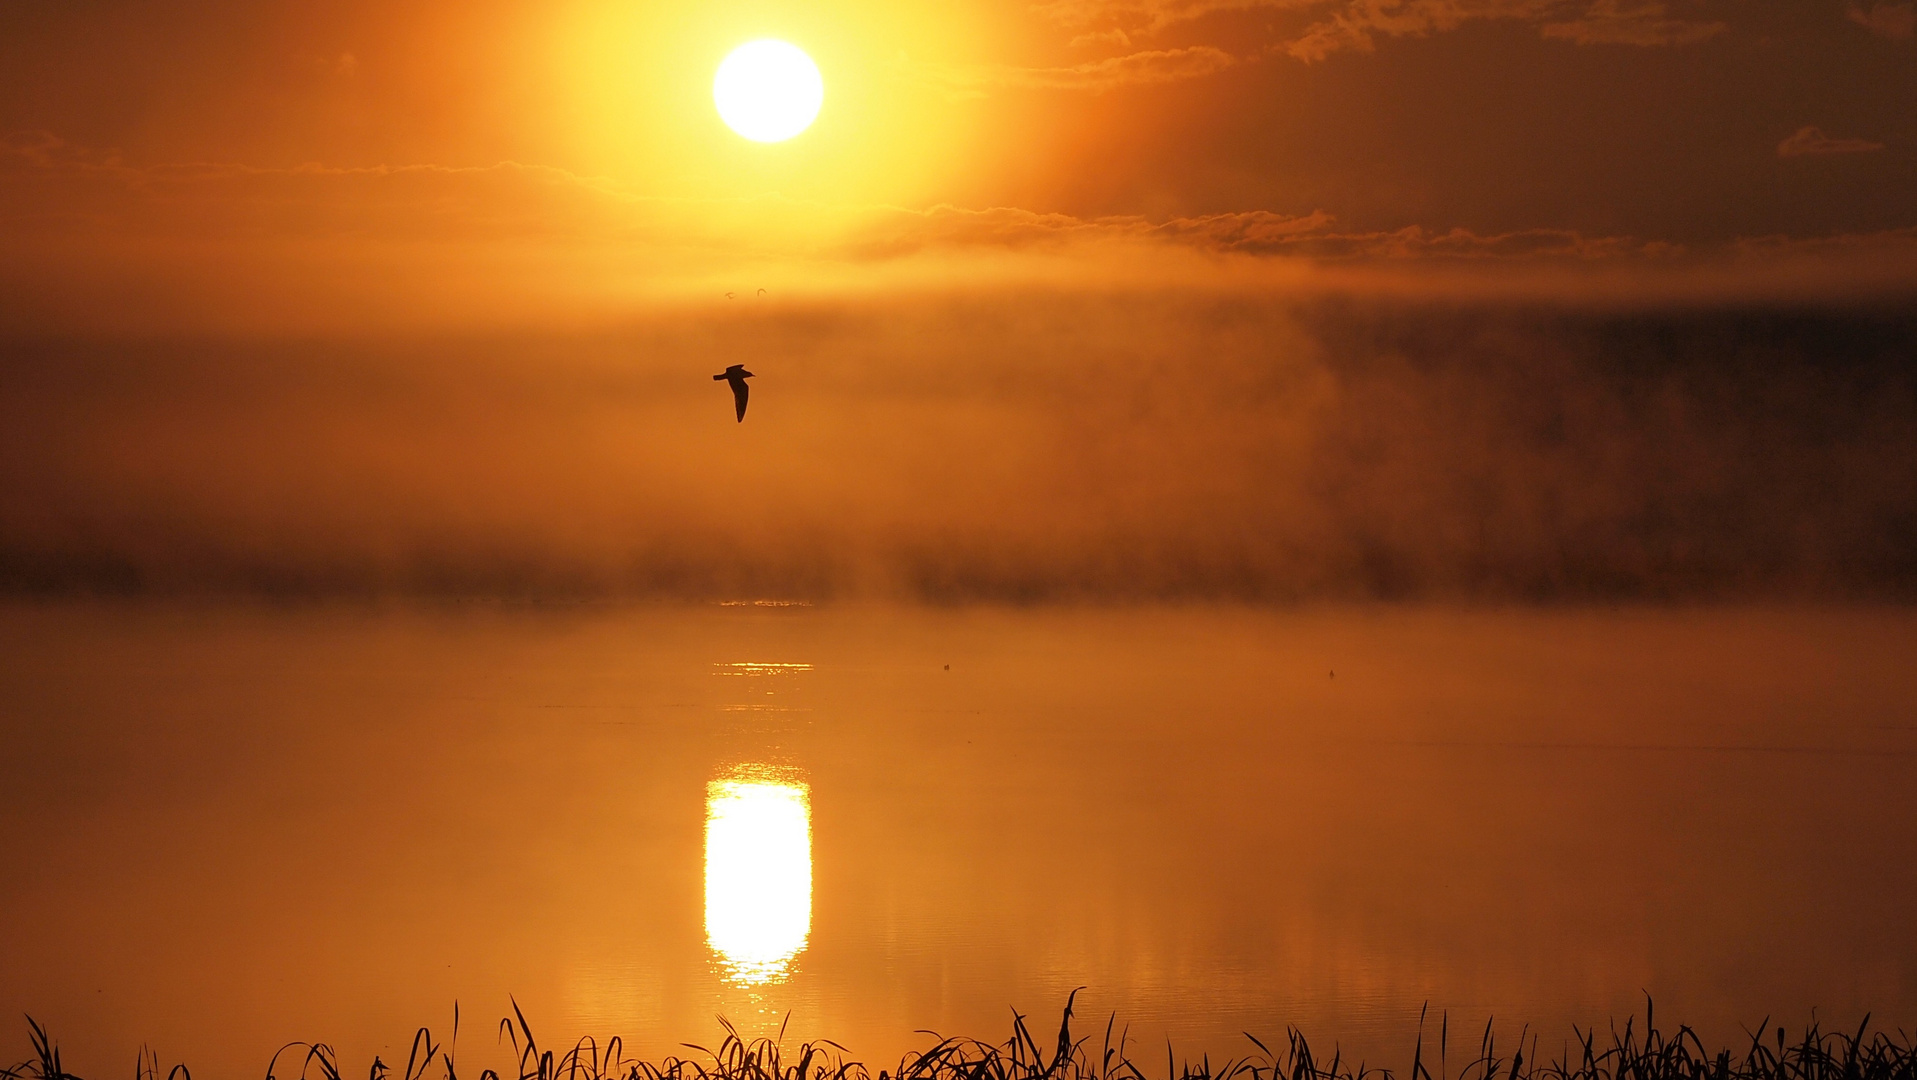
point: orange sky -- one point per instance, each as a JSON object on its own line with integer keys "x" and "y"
{"x": 1150, "y": 297}
{"x": 246, "y": 160}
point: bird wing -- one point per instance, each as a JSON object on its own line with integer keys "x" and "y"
{"x": 739, "y": 392}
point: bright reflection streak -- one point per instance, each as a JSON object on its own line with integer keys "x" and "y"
{"x": 758, "y": 874}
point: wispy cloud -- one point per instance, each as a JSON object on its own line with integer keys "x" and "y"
{"x": 1152, "y": 15}
{"x": 1312, "y": 236}
{"x": 1608, "y": 22}
{"x": 86, "y": 240}
{"x": 1895, "y": 21}
{"x": 1110, "y": 36}
{"x": 1884, "y": 241}
{"x": 1355, "y": 24}
{"x": 1147, "y": 68}
{"x": 1812, "y": 140}
{"x": 1418, "y": 242}
{"x": 899, "y": 231}
{"x": 1334, "y": 26}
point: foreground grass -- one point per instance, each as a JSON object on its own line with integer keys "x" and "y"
{"x": 1629, "y": 1053}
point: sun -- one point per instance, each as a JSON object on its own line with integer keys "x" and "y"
{"x": 768, "y": 90}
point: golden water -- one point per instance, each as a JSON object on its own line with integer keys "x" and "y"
{"x": 232, "y": 826}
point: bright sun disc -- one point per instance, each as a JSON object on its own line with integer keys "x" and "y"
{"x": 768, "y": 90}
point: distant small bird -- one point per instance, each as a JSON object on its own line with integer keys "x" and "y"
{"x": 736, "y": 374}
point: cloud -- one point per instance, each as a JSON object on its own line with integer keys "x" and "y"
{"x": 66, "y": 193}
{"x": 1882, "y": 242}
{"x": 1148, "y": 68}
{"x": 1252, "y": 233}
{"x": 48, "y": 184}
{"x": 1645, "y": 24}
{"x": 1112, "y": 36}
{"x": 89, "y": 241}
{"x": 898, "y": 231}
{"x": 44, "y": 155}
{"x": 1417, "y": 242}
{"x": 42, "y": 150}
{"x": 901, "y": 231}
{"x": 1602, "y": 22}
{"x": 1895, "y": 21}
{"x": 1148, "y": 16}
{"x": 1355, "y": 25}
{"x": 1811, "y": 140}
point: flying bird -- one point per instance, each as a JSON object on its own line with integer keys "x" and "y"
{"x": 737, "y": 375}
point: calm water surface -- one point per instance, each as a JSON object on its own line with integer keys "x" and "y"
{"x": 228, "y": 827}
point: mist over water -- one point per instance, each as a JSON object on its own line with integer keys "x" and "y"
{"x": 986, "y": 446}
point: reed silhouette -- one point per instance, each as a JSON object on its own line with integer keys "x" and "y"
{"x": 1629, "y": 1053}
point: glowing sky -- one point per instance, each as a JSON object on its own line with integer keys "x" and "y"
{"x": 576, "y": 142}
{"x": 1245, "y": 296}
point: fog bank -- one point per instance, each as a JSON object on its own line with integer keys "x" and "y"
{"x": 993, "y": 445}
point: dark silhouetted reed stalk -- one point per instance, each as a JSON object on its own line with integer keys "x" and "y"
{"x": 1629, "y": 1054}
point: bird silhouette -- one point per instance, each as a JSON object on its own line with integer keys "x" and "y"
{"x": 736, "y": 374}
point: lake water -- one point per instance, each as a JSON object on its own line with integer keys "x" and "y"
{"x": 232, "y": 826}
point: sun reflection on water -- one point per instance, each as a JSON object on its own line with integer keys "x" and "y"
{"x": 758, "y": 873}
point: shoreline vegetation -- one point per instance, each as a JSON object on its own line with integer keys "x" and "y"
{"x": 1629, "y": 1052}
